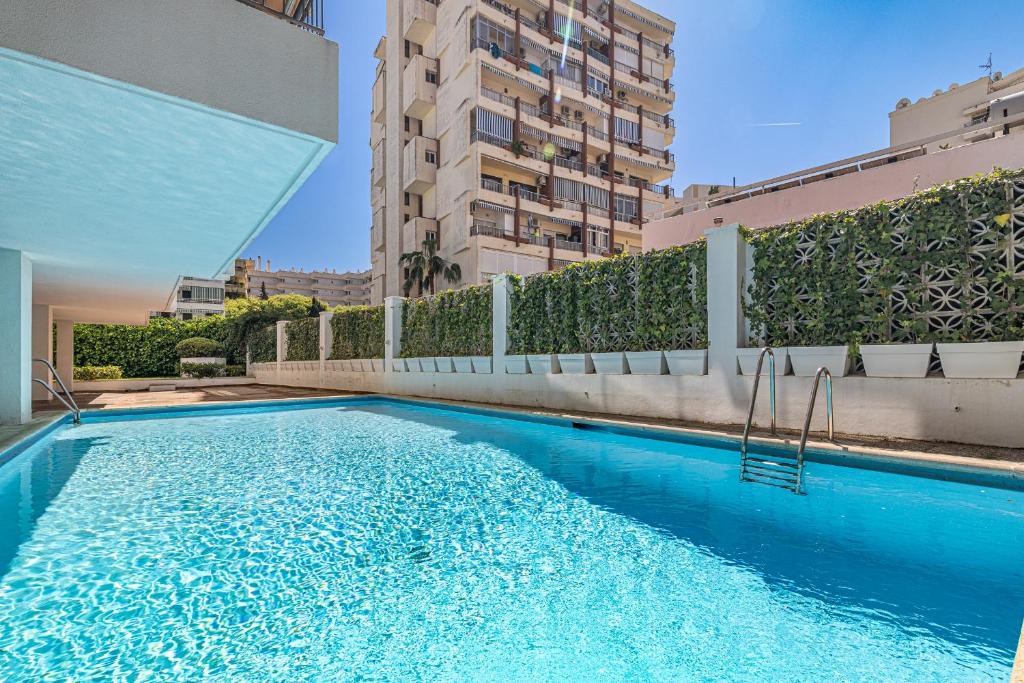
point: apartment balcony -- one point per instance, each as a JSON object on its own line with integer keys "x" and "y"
{"x": 377, "y": 173}
{"x": 419, "y": 87}
{"x": 377, "y": 237}
{"x": 308, "y": 15}
{"x": 419, "y": 20}
{"x": 379, "y": 101}
{"x": 416, "y": 231}
{"x": 419, "y": 165}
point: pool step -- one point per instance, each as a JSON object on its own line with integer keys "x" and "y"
{"x": 773, "y": 471}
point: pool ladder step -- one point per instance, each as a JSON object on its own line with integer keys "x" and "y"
{"x": 781, "y": 471}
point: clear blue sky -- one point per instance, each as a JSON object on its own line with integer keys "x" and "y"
{"x": 835, "y": 67}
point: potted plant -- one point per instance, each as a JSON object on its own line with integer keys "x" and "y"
{"x": 543, "y": 363}
{"x": 806, "y": 360}
{"x": 610, "y": 363}
{"x": 687, "y": 361}
{"x": 444, "y": 364}
{"x": 399, "y": 365}
{"x": 427, "y": 364}
{"x": 515, "y": 364}
{"x": 463, "y": 364}
{"x": 747, "y": 359}
{"x": 890, "y": 358}
{"x": 646, "y": 362}
{"x": 198, "y": 351}
{"x": 482, "y": 365}
{"x": 575, "y": 363}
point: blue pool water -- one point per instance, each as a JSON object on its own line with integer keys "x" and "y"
{"x": 385, "y": 541}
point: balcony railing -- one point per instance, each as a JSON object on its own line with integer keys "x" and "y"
{"x": 308, "y": 14}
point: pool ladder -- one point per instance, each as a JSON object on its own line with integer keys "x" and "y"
{"x": 780, "y": 469}
{"x": 69, "y": 401}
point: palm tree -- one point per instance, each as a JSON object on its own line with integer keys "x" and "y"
{"x": 425, "y": 266}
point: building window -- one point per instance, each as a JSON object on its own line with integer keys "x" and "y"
{"x": 406, "y": 218}
{"x": 407, "y": 49}
{"x": 186, "y": 316}
{"x": 406, "y": 124}
{"x": 431, "y": 157}
{"x": 407, "y": 199}
{"x": 432, "y": 77}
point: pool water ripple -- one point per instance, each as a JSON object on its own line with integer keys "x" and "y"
{"x": 390, "y": 542}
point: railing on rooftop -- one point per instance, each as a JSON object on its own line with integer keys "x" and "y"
{"x": 306, "y": 14}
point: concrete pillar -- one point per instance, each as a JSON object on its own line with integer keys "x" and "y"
{"x": 42, "y": 347}
{"x": 66, "y": 352}
{"x": 392, "y": 331}
{"x": 326, "y": 342}
{"x": 282, "y": 348}
{"x": 15, "y": 337}
{"x": 727, "y": 253}
{"x": 500, "y": 307}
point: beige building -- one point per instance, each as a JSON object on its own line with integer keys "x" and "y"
{"x": 251, "y": 277}
{"x": 520, "y": 135}
{"x": 962, "y": 111}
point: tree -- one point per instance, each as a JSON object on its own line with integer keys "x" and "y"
{"x": 425, "y": 266}
{"x": 315, "y": 308}
{"x": 263, "y": 291}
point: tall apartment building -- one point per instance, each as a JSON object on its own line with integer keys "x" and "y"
{"x": 251, "y": 277}
{"x": 520, "y": 135}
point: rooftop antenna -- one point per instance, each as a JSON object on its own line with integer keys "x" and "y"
{"x": 987, "y": 66}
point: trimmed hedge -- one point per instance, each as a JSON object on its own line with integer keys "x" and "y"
{"x": 357, "y": 332}
{"x": 89, "y": 373}
{"x": 144, "y": 350}
{"x": 941, "y": 265}
{"x": 303, "y": 339}
{"x": 452, "y": 323}
{"x": 631, "y": 302}
{"x": 202, "y": 370}
{"x": 263, "y": 345}
{"x": 198, "y": 347}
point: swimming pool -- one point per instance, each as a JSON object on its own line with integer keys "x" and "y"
{"x": 385, "y": 540}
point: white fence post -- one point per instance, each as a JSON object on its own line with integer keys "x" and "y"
{"x": 282, "y": 348}
{"x": 392, "y": 331}
{"x": 326, "y": 341}
{"x": 500, "y": 307}
{"x": 727, "y": 268}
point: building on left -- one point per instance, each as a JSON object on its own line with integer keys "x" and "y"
{"x": 194, "y": 297}
{"x": 122, "y": 168}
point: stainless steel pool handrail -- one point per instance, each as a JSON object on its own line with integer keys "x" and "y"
{"x": 807, "y": 419}
{"x": 69, "y": 402}
{"x": 753, "y": 400}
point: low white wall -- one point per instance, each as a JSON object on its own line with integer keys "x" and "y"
{"x": 958, "y": 410}
{"x": 974, "y": 411}
{"x": 145, "y": 384}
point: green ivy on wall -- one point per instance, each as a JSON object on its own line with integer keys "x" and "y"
{"x": 357, "y": 332}
{"x": 303, "y": 339}
{"x": 945, "y": 264}
{"x": 263, "y": 345}
{"x": 452, "y": 323}
{"x": 631, "y": 302}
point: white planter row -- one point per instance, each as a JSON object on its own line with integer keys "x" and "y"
{"x": 358, "y": 365}
{"x": 480, "y": 365}
{"x": 682, "y": 362}
{"x": 971, "y": 360}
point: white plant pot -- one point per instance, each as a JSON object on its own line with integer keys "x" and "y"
{"x": 613, "y": 363}
{"x": 516, "y": 365}
{"x": 646, "y": 362}
{"x": 748, "y": 361}
{"x": 689, "y": 362}
{"x": 807, "y": 359}
{"x": 444, "y": 364}
{"x": 398, "y": 365}
{"x": 427, "y": 365}
{"x": 575, "y": 363}
{"x": 377, "y": 364}
{"x": 361, "y": 365}
{"x": 413, "y": 365}
{"x": 463, "y": 364}
{"x": 350, "y": 366}
{"x": 205, "y": 360}
{"x": 482, "y": 365}
{"x": 981, "y": 360}
{"x": 896, "y": 360}
{"x": 543, "y": 363}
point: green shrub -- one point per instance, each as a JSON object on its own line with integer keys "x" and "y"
{"x": 234, "y": 371}
{"x": 452, "y": 323}
{"x": 202, "y": 370}
{"x": 632, "y": 302}
{"x": 938, "y": 265}
{"x": 198, "y": 347}
{"x": 88, "y": 373}
{"x": 357, "y": 332}
{"x": 303, "y": 339}
{"x": 263, "y": 345}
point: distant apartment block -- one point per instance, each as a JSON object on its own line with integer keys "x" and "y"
{"x": 520, "y": 136}
{"x": 194, "y": 297}
{"x": 953, "y": 134}
{"x": 252, "y": 277}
